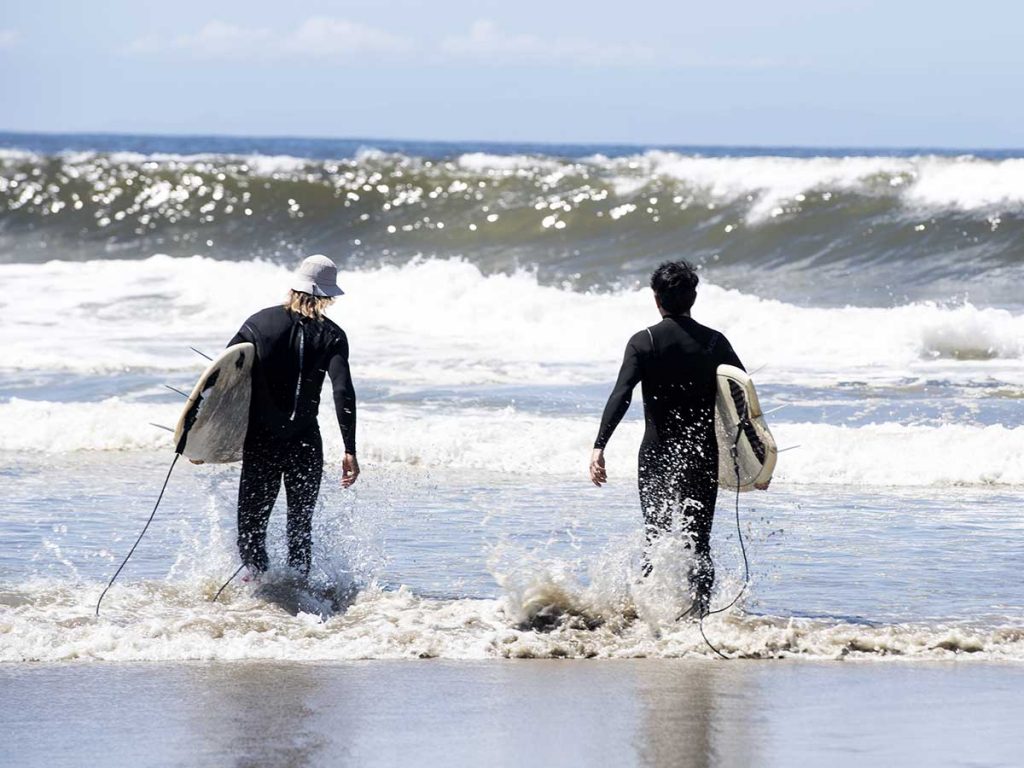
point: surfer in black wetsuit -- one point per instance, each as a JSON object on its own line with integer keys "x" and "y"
{"x": 676, "y": 361}
{"x": 296, "y": 346}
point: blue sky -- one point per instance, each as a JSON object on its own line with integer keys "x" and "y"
{"x": 788, "y": 72}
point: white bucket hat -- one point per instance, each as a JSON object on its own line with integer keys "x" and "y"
{"x": 318, "y": 276}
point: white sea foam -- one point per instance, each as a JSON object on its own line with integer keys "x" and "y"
{"x": 158, "y": 621}
{"x": 110, "y": 425}
{"x": 968, "y": 183}
{"x": 482, "y": 162}
{"x": 509, "y": 441}
{"x": 443, "y": 323}
{"x": 774, "y": 180}
{"x": 268, "y": 165}
{"x": 929, "y": 181}
{"x": 10, "y": 154}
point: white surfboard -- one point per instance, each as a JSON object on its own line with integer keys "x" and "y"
{"x": 739, "y": 422}
{"x": 213, "y": 424}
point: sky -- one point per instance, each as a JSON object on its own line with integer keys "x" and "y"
{"x": 852, "y": 73}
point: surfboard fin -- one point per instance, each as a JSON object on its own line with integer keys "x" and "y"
{"x": 161, "y": 426}
{"x": 175, "y": 389}
{"x": 201, "y": 354}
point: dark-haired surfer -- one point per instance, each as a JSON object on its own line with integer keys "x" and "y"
{"x": 677, "y": 362}
{"x": 296, "y": 345}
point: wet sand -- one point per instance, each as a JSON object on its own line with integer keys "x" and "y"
{"x": 643, "y": 712}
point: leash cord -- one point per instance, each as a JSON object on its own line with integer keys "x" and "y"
{"x": 225, "y": 584}
{"x": 143, "y": 533}
{"x": 743, "y": 549}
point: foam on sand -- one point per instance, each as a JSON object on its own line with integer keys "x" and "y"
{"x": 154, "y": 621}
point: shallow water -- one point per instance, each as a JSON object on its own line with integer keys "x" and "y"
{"x": 457, "y": 564}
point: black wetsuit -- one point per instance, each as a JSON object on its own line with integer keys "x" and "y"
{"x": 293, "y": 354}
{"x": 676, "y": 361}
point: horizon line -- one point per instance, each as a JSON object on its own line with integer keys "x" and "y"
{"x": 874, "y": 148}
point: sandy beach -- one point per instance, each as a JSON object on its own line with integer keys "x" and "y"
{"x": 565, "y": 713}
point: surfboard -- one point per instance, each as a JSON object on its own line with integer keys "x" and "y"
{"x": 213, "y": 424}
{"x": 740, "y": 422}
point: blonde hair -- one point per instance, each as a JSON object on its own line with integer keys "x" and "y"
{"x": 308, "y": 305}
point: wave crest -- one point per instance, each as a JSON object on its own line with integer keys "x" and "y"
{"x": 916, "y": 223}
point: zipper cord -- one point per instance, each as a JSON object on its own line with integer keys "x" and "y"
{"x": 298, "y": 382}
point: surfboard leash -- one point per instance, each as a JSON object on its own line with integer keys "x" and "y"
{"x": 143, "y": 533}
{"x": 225, "y": 584}
{"x": 743, "y": 549}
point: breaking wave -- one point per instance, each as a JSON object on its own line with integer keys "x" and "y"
{"x": 889, "y": 228}
{"x": 509, "y": 441}
{"x": 445, "y": 323}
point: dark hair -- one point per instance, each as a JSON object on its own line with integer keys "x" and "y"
{"x": 675, "y": 285}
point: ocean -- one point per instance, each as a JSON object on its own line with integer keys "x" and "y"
{"x": 490, "y": 290}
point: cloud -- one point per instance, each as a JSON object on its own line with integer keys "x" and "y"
{"x": 318, "y": 37}
{"x": 488, "y": 43}
{"x": 324, "y": 36}
{"x": 484, "y": 43}
{"x": 218, "y": 38}
{"x": 8, "y": 38}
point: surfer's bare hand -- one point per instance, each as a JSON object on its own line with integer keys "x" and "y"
{"x": 197, "y": 461}
{"x": 763, "y": 486}
{"x": 598, "y": 475}
{"x": 349, "y": 470}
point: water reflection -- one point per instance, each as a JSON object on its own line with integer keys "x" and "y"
{"x": 695, "y": 714}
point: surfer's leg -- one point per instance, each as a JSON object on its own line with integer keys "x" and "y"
{"x": 257, "y": 492}
{"x": 656, "y": 501}
{"x": 699, "y": 492}
{"x": 302, "y": 487}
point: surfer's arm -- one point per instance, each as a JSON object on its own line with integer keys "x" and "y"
{"x": 727, "y": 355}
{"x": 622, "y": 394}
{"x": 245, "y": 334}
{"x": 344, "y": 394}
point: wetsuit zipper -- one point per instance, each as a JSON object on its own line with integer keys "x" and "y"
{"x": 298, "y": 382}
